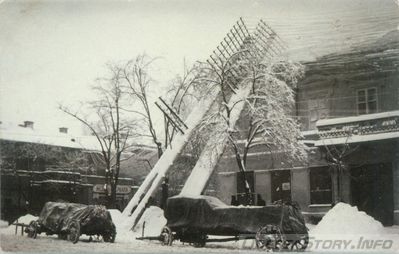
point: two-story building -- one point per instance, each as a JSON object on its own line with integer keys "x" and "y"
{"x": 37, "y": 167}
{"x": 348, "y": 108}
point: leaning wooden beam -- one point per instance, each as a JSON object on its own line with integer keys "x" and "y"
{"x": 155, "y": 177}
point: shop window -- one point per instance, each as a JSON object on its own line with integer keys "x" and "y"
{"x": 367, "y": 101}
{"x": 320, "y": 186}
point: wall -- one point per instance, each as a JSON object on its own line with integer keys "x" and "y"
{"x": 395, "y": 166}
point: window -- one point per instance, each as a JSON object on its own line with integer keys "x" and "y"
{"x": 317, "y": 110}
{"x": 367, "y": 101}
{"x": 320, "y": 185}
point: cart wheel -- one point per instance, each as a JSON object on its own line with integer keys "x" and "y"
{"x": 299, "y": 244}
{"x": 269, "y": 238}
{"x": 200, "y": 241}
{"x": 32, "y": 229}
{"x": 74, "y": 232}
{"x": 166, "y": 236}
{"x": 109, "y": 238}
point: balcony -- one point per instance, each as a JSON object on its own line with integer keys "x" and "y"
{"x": 358, "y": 129}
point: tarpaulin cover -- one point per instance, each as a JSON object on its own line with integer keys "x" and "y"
{"x": 56, "y": 217}
{"x": 211, "y": 216}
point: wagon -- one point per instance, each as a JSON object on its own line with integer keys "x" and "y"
{"x": 70, "y": 220}
{"x": 273, "y": 227}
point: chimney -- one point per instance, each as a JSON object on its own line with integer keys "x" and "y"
{"x": 28, "y": 124}
{"x": 63, "y": 130}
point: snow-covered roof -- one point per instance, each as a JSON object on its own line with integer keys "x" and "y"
{"x": 351, "y": 119}
{"x": 90, "y": 143}
{"x": 29, "y": 135}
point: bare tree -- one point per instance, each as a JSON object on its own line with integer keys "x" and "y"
{"x": 267, "y": 120}
{"x": 183, "y": 93}
{"x": 336, "y": 156}
{"x": 136, "y": 80}
{"x": 110, "y": 124}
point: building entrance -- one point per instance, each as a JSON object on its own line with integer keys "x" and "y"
{"x": 372, "y": 191}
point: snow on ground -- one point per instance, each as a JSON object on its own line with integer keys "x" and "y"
{"x": 340, "y": 229}
{"x": 345, "y": 228}
{"x": 51, "y": 244}
{"x": 10, "y": 229}
{"x": 3, "y": 224}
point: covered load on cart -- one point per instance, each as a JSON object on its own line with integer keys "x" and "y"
{"x": 70, "y": 220}
{"x": 279, "y": 226}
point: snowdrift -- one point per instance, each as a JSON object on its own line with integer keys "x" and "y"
{"x": 345, "y": 228}
{"x": 10, "y": 229}
{"x": 346, "y": 219}
{"x": 26, "y": 219}
{"x": 154, "y": 222}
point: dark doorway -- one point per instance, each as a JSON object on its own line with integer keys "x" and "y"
{"x": 281, "y": 185}
{"x": 372, "y": 191}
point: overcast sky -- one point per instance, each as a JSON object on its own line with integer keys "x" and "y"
{"x": 51, "y": 51}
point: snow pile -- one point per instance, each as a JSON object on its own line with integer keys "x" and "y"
{"x": 346, "y": 219}
{"x": 154, "y": 222}
{"x": 345, "y": 228}
{"x": 116, "y": 215}
{"x": 26, "y": 219}
{"x": 117, "y": 218}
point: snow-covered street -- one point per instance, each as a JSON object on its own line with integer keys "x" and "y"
{"x": 343, "y": 229}
{"x": 43, "y": 243}
{"x": 17, "y": 243}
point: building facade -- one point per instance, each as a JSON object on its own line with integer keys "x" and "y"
{"x": 348, "y": 108}
{"x": 37, "y": 167}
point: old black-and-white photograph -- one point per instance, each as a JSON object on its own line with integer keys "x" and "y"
{"x": 203, "y": 126}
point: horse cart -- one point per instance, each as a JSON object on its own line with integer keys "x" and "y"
{"x": 273, "y": 227}
{"x": 70, "y": 220}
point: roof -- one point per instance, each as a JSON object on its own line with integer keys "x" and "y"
{"x": 37, "y": 136}
{"x": 359, "y": 62}
{"x": 29, "y": 135}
